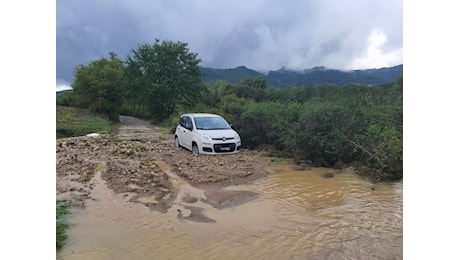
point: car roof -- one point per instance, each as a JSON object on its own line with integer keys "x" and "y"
{"x": 200, "y": 115}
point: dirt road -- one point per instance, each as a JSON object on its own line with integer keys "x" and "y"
{"x": 141, "y": 159}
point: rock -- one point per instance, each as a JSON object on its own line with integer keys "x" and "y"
{"x": 328, "y": 175}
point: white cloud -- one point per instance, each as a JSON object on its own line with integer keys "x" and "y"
{"x": 62, "y": 85}
{"x": 376, "y": 56}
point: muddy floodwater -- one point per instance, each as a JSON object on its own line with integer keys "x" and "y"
{"x": 298, "y": 214}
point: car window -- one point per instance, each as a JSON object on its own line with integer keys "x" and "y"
{"x": 186, "y": 122}
{"x": 211, "y": 123}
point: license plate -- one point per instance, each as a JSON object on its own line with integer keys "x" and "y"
{"x": 225, "y": 148}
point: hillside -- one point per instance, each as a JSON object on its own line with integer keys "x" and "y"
{"x": 288, "y": 78}
{"x": 230, "y": 75}
{"x": 308, "y": 77}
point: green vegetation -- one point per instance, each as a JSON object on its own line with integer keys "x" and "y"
{"x": 71, "y": 121}
{"x": 161, "y": 77}
{"x": 62, "y": 210}
{"x": 324, "y": 125}
{"x": 153, "y": 81}
{"x": 98, "y": 86}
{"x": 321, "y": 125}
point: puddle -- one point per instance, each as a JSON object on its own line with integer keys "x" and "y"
{"x": 296, "y": 215}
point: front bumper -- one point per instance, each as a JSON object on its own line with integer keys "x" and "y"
{"x": 220, "y": 148}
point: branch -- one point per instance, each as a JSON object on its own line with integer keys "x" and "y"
{"x": 372, "y": 155}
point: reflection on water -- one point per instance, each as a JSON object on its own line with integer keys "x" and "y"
{"x": 298, "y": 215}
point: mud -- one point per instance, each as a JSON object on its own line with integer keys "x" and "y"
{"x": 141, "y": 161}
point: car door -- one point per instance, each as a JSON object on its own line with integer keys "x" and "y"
{"x": 185, "y": 133}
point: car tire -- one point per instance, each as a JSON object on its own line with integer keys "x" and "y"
{"x": 195, "y": 150}
{"x": 178, "y": 142}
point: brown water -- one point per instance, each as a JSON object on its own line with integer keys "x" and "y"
{"x": 298, "y": 215}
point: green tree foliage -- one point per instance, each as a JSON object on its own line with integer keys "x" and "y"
{"x": 326, "y": 125}
{"x": 398, "y": 85}
{"x": 232, "y": 107}
{"x": 381, "y": 141}
{"x": 321, "y": 132}
{"x": 251, "y": 88}
{"x": 263, "y": 123}
{"x": 213, "y": 93}
{"x": 162, "y": 76}
{"x": 98, "y": 86}
{"x": 67, "y": 99}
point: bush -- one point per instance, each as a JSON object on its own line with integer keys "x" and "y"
{"x": 260, "y": 124}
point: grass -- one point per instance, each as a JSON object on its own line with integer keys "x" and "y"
{"x": 62, "y": 210}
{"x": 71, "y": 121}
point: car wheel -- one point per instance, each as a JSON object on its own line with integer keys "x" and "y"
{"x": 177, "y": 142}
{"x": 195, "y": 150}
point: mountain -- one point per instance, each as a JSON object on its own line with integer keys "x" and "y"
{"x": 308, "y": 77}
{"x": 288, "y": 78}
{"x": 230, "y": 75}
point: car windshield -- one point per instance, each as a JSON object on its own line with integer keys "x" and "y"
{"x": 211, "y": 123}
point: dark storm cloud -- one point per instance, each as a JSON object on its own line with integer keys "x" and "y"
{"x": 87, "y": 32}
{"x": 262, "y": 35}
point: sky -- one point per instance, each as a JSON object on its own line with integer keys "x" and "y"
{"x": 262, "y": 35}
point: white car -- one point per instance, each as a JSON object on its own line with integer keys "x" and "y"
{"x": 206, "y": 134}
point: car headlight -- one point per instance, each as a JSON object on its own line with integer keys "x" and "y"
{"x": 237, "y": 137}
{"x": 206, "y": 137}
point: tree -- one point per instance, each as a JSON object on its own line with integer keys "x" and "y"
{"x": 251, "y": 88}
{"x": 98, "y": 85}
{"x": 163, "y": 76}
